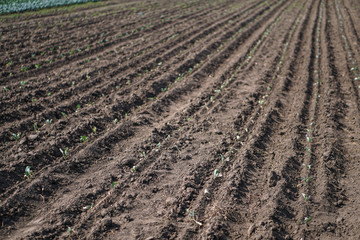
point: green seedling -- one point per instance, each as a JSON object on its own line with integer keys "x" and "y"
{"x": 192, "y": 216}
{"x": 88, "y": 207}
{"x": 163, "y": 89}
{"x": 37, "y": 66}
{"x": 22, "y": 83}
{"x": 33, "y": 100}
{"x": 307, "y": 219}
{"x": 113, "y": 184}
{"x": 28, "y": 172}
{"x": 217, "y": 173}
{"x": 222, "y": 158}
{"x": 83, "y": 138}
{"x": 188, "y": 119}
{"x": 36, "y": 128}
{"x": 306, "y": 197}
{"x": 6, "y": 89}
{"x": 308, "y": 137}
{"x": 70, "y": 230}
{"x": 159, "y": 145}
{"x": 133, "y": 169}
{"x": 48, "y": 121}
{"x": 49, "y": 94}
{"x": 78, "y": 106}
{"x": 116, "y": 121}
{"x": 16, "y": 136}
{"x": 64, "y": 152}
{"x": 307, "y": 166}
{"x": 64, "y": 114}
{"x": 308, "y": 149}
{"x": 306, "y": 179}
{"x": 94, "y": 130}
{"x": 23, "y": 69}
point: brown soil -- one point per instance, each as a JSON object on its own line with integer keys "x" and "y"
{"x": 214, "y": 120}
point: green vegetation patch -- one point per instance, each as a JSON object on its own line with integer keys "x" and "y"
{"x": 11, "y": 6}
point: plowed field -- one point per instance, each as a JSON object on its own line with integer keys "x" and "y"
{"x": 206, "y": 119}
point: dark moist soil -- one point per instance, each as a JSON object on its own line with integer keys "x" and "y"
{"x": 183, "y": 120}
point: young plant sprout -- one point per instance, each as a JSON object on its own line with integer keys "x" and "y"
{"x": 307, "y": 166}
{"x": 94, "y": 130}
{"x": 70, "y": 230}
{"x": 306, "y": 179}
{"x": 143, "y": 153}
{"x": 306, "y": 197}
{"x": 113, "y": 184}
{"x": 116, "y": 121}
{"x": 48, "y": 121}
{"x": 222, "y": 158}
{"x": 16, "y": 136}
{"x": 6, "y": 89}
{"x": 83, "y": 138}
{"x": 308, "y": 150}
{"x": 63, "y": 114}
{"x": 307, "y": 219}
{"x": 217, "y": 173}
{"x": 78, "y": 106}
{"x": 36, "y": 128}
{"x": 133, "y": 169}
{"x": 64, "y": 152}
{"x": 28, "y": 172}
{"x": 192, "y": 216}
{"x": 88, "y": 207}
{"x": 206, "y": 191}
{"x": 308, "y": 137}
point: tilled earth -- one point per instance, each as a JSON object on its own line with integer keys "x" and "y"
{"x": 206, "y": 119}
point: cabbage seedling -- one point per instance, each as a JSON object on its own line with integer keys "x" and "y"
{"x": 83, "y": 138}
{"x": 192, "y": 216}
{"x": 88, "y": 207}
{"x": 307, "y": 219}
{"x": 133, "y": 169}
{"x": 36, "y": 128}
{"x": 306, "y": 179}
{"x": 116, "y": 121}
{"x": 16, "y": 136}
{"x": 113, "y": 184}
{"x": 306, "y": 197}
{"x": 307, "y": 166}
{"x": 48, "y": 121}
{"x": 217, "y": 173}
{"x": 28, "y": 172}
{"x": 308, "y": 137}
{"x": 64, "y": 152}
